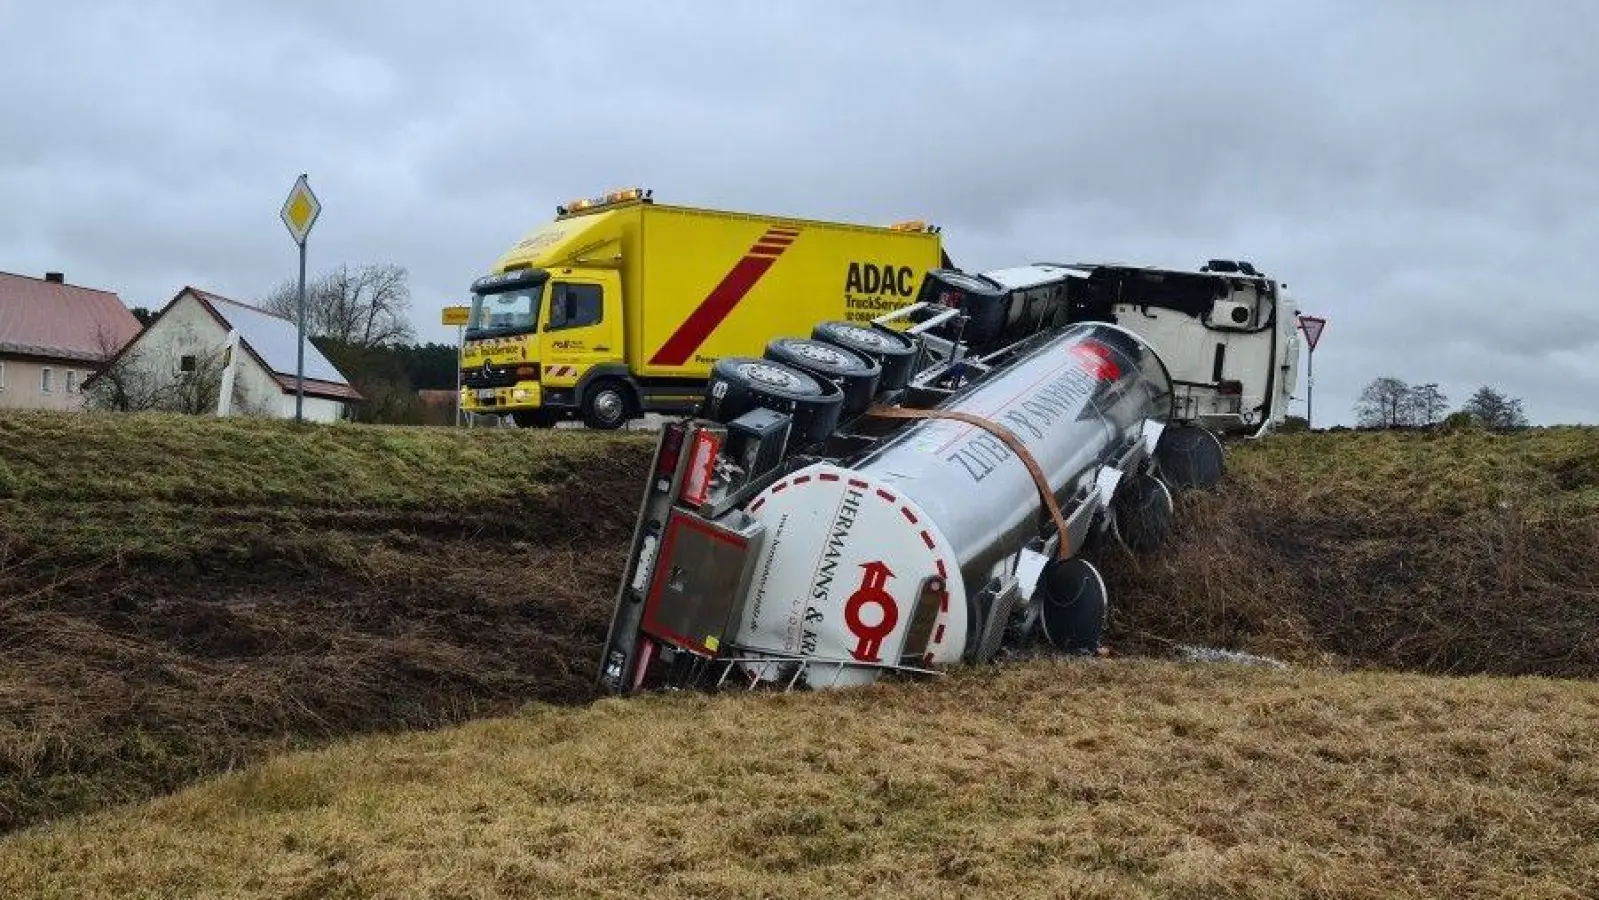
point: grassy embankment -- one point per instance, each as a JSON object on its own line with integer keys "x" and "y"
{"x": 182, "y": 597}
{"x": 1108, "y": 778}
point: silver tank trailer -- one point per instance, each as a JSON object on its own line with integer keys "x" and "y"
{"x": 857, "y": 554}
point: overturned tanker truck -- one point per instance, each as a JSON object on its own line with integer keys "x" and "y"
{"x": 877, "y": 500}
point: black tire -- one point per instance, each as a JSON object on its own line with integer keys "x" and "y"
{"x": 607, "y": 404}
{"x": 1142, "y": 513}
{"x": 985, "y": 304}
{"x": 741, "y": 383}
{"x": 1190, "y": 456}
{"x": 895, "y": 353}
{"x": 854, "y": 373}
{"x": 1074, "y": 605}
{"x": 533, "y": 418}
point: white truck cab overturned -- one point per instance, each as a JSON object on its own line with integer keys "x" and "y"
{"x": 880, "y": 498}
{"x": 1228, "y": 333}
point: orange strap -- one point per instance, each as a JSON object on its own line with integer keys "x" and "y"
{"x": 1009, "y": 439}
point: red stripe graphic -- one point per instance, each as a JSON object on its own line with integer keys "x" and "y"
{"x": 723, "y": 298}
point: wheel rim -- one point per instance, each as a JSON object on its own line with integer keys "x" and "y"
{"x": 771, "y": 376}
{"x": 608, "y": 405}
{"x": 821, "y": 353}
{"x": 868, "y": 338}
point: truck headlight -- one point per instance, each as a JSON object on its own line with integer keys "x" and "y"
{"x": 519, "y": 394}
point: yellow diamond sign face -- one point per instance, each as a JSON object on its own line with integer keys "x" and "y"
{"x": 300, "y": 210}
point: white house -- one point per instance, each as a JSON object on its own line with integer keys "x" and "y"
{"x": 250, "y": 350}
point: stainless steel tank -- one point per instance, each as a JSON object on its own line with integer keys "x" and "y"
{"x": 850, "y": 550}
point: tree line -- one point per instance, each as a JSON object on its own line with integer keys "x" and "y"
{"x": 1389, "y": 402}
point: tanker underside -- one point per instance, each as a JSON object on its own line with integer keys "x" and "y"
{"x": 873, "y": 501}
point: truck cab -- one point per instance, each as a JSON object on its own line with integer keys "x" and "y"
{"x": 548, "y": 326}
{"x": 532, "y": 333}
{"x": 1227, "y": 331}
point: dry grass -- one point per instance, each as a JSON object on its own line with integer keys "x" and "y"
{"x": 1113, "y": 779}
{"x": 1449, "y": 553}
{"x": 182, "y": 597}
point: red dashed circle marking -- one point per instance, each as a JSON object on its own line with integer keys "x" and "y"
{"x": 905, "y": 510}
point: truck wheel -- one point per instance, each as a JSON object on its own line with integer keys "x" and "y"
{"x": 856, "y": 375}
{"x": 895, "y": 353}
{"x": 607, "y": 405}
{"x": 739, "y": 384}
{"x": 1074, "y": 605}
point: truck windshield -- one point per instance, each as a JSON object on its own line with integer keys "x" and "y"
{"x": 510, "y": 312}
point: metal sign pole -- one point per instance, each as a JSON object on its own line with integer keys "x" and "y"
{"x": 299, "y": 328}
{"x": 460, "y": 345}
{"x": 1310, "y": 388}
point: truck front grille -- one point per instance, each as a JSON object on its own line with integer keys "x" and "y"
{"x": 491, "y": 376}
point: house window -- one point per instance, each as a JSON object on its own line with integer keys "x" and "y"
{"x": 72, "y": 381}
{"x": 186, "y": 364}
{"x": 46, "y": 380}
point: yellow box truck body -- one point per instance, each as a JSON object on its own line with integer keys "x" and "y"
{"x": 620, "y": 306}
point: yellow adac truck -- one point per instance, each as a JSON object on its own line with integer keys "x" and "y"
{"x": 620, "y": 306}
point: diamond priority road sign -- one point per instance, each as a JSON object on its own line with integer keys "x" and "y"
{"x": 300, "y": 210}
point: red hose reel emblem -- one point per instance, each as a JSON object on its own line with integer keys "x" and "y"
{"x": 872, "y": 592}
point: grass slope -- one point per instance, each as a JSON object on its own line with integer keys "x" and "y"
{"x": 1108, "y": 778}
{"x": 1457, "y": 553}
{"x": 180, "y": 596}
{"x": 184, "y": 596}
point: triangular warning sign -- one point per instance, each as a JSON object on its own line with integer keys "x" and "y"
{"x": 1312, "y": 326}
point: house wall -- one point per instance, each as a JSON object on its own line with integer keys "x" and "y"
{"x": 21, "y": 383}
{"x": 189, "y": 329}
{"x": 316, "y": 409}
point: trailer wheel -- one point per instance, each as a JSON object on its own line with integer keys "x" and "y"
{"x": 739, "y": 384}
{"x": 1190, "y": 456}
{"x": 895, "y": 353}
{"x": 985, "y": 305}
{"x": 1074, "y": 605}
{"x": 854, "y": 373}
{"x": 1142, "y": 513}
{"x": 607, "y": 405}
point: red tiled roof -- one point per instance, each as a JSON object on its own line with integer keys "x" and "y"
{"x": 61, "y": 321}
{"x": 315, "y": 388}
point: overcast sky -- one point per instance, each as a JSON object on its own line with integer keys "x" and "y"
{"x": 1425, "y": 175}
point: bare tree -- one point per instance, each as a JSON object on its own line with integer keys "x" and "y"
{"x": 144, "y": 380}
{"x": 1385, "y": 403}
{"x": 1495, "y": 409}
{"x": 1427, "y": 404}
{"x": 365, "y": 306}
